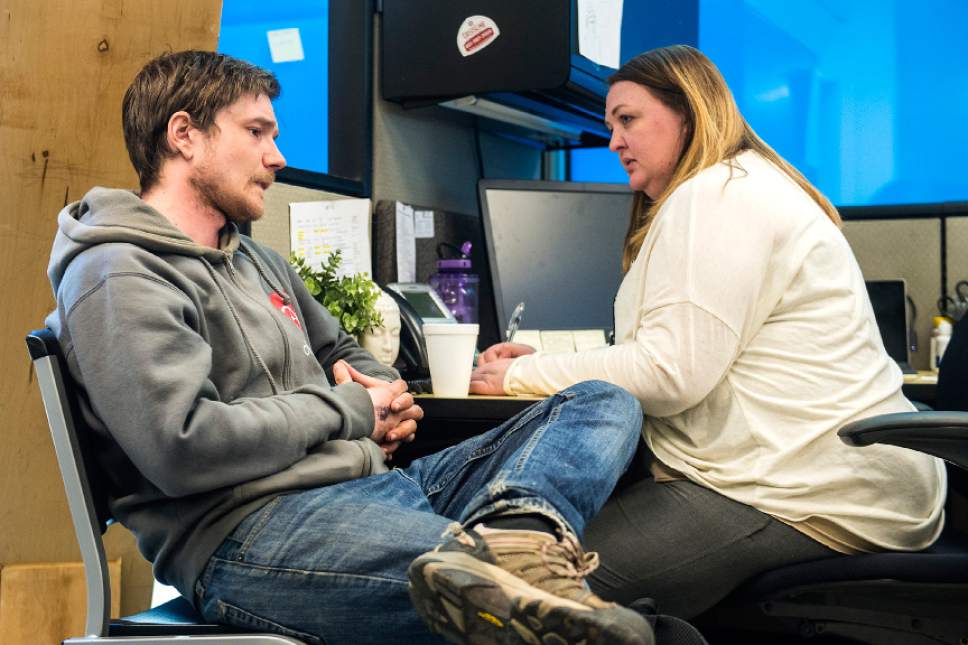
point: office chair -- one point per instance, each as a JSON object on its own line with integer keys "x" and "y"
{"x": 884, "y": 598}
{"x": 173, "y": 621}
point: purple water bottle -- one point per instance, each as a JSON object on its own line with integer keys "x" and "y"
{"x": 454, "y": 282}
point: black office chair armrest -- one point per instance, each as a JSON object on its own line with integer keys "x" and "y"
{"x": 42, "y": 342}
{"x": 942, "y": 434}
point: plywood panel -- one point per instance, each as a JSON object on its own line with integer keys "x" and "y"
{"x": 46, "y": 603}
{"x": 64, "y": 66}
{"x": 908, "y": 249}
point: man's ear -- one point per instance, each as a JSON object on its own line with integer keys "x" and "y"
{"x": 182, "y": 135}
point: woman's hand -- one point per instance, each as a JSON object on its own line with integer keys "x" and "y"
{"x": 503, "y": 350}
{"x": 489, "y": 378}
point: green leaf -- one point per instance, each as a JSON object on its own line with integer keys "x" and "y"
{"x": 350, "y": 299}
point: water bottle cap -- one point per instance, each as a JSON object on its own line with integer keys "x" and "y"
{"x": 454, "y": 264}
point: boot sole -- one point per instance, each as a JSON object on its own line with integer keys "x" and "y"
{"x": 470, "y": 601}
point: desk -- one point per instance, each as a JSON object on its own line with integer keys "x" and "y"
{"x": 920, "y": 387}
{"x": 449, "y": 421}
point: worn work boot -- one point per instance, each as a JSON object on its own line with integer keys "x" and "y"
{"x": 506, "y": 586}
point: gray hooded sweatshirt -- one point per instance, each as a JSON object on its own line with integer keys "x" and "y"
{"x": 204, "y": 377}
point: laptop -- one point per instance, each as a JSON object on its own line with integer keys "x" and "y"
{"x": 889, "y": 300}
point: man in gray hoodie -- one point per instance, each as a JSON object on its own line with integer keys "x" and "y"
{"x": 244, "y": 435}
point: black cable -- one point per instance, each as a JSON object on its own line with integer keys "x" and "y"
{"x": 944, "y": 256}
{"x": 478, "y": 149}
{"x": 912, "y": 332}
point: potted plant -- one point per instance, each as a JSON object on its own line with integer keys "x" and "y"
{"x": 351, "y": 299}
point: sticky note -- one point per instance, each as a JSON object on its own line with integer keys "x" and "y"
{"x": 285, "y": 45}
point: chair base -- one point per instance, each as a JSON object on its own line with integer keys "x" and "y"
{"x": 886, "y": 612}
{"x": 173, "y": 621}
{"x": 175, "y": 616}
{"x": 221, "y": 639}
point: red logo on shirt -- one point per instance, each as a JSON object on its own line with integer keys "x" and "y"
{"x": 286, "y": 310}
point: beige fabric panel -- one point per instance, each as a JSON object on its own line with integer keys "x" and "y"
{"x": 957, "y": 258}
{"x": 908, "y": 249}
{"x": 273, "y": 228}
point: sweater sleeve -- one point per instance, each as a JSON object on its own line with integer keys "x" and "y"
{"x": 147, "y": 374}
{"x": 699, "y": 293}
{"x": 679, "y": 354}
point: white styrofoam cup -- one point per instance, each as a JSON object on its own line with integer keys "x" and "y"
{"x": 450, "y": 351}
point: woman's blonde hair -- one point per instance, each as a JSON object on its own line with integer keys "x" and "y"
{"x": 687, "y": 82}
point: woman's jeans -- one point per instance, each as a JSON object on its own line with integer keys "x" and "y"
{"x": 329, "y": 565}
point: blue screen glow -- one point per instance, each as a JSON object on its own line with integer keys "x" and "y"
{"x": 868, "y": 98}
{"x": 302, "y": 108}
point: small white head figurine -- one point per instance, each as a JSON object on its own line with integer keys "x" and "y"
{"x": 384, "y": 342}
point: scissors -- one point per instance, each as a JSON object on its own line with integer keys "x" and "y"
{"x": 952, "y": 308}
{"x": 961, "y": 290}
{"x": 946, "y": 304}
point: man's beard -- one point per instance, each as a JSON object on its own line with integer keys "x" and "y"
{"x": 232, "y": 205}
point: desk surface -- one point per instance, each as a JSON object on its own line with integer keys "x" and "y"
{"x": 448, "y": 420}
{"x": 484, "y": 408}
{"x": 917, "y": 387}
{"x": 921, "y": 378}
{"x": 920, "y": 387}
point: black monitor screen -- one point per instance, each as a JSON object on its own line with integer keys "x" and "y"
{"x": 888, "y": 299}
{"x": 557, "y": 247}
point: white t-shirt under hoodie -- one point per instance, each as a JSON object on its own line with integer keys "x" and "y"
{"x": 744, "y": 329}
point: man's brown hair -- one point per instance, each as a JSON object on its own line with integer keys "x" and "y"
{"x": 198, "y": 82}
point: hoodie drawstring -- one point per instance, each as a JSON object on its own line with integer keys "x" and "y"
{"x": 264, "y": 274}
{"x": 238, "y": 321}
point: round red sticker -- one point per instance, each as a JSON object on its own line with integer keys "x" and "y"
{"x": 476, "y": 33}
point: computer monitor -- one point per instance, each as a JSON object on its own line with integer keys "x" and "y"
{"x": 557, "y": 247}
{"x": 889, "y": 301}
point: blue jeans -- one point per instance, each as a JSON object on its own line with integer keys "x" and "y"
{"x": 329, "y": 565}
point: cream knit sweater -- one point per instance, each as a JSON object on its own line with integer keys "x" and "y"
{"x": 744, "y": 329}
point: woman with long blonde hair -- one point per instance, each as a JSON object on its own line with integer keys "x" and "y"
{"x": 744, "y": 329}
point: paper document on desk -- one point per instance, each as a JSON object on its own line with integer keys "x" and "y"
{"x": 589, "y": 339}
{"x": 557, "y": 341}
{"x": 316, "y": 229}
{"x": 530, "y": 337}
{"x": 561, "y": 340}
{"x": 406, "y": 243}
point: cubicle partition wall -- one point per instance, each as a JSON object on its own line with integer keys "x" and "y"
{"x": 927, "y": 246}
{"x": 956, "y": 258}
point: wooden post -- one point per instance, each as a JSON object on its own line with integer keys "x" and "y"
{"x": 45, "y": 603}
{"x": 64, "y": 67}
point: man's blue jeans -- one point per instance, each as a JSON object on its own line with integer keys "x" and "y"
{"x": 329, "y": 565}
